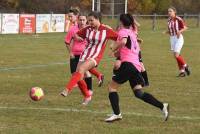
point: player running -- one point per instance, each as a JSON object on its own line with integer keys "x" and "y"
{"x": 96, "y": 35}
{"x": 130, "y": 70}
{"x": 176, "y": 27}
{"x": 118, "y": 62}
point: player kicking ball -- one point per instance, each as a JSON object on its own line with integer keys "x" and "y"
{"x": 129, "y": 70}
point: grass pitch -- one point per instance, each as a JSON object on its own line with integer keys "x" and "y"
{"x": 29, "y": 60}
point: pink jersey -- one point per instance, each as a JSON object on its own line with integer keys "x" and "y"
{"x": 175, "y": 24}
{"x": 77, "y": 47}
{"x": 129, "y": 52}
{"x": 96, "y": 41}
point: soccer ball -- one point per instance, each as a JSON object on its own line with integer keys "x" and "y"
{"x": 36, "y": 93}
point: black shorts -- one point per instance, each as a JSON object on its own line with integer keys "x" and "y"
{"x": 73, "y": 63}
{"x": 140, "y": 56}
{"x": 128, "y": 72}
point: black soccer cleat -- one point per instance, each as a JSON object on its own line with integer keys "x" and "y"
{"x": 187, "y": 70}
{"x": 182, "y": 74}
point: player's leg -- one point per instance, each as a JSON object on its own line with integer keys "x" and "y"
{"x": 73, "y": 63}
{"x": 120, "y": 76}
{"x": 78, "y": 76}
{"x": 99, "y": 76}
{"x": 136, "y": 85}
{"x": 183, "y": 65}
{"x": 143, "y": 71}
{"x": 180, "y": 60}
{"x": 144, "y": 75}
{"x": 88, "y": 80}
{"x": 114, "y": 101}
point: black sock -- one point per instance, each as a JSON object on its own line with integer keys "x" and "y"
{"x": 114, "y": 100}
{"x": 88, "y": 81}
{"x": 145, "y": 77}
{"x": 148, "y": 98}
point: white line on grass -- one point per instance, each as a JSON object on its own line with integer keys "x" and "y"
{"x": 39, "y": 65}
{"x": 96, "y": 112}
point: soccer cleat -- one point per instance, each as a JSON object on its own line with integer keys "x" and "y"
{"x": 64, "y": 93}
{"x": 87, "y": 100}
{"x": 165, "y": 111}
{"x": 187, "y": 70}
{"x": 101, "y": 79}
{"x": 182, "y": 74}
{"x": 113, "y": 118}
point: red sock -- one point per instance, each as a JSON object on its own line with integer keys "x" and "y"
{"x": 73, "y": 81}
{"x": 83, "y": 87}
{"x": 181, "y": 60}
{"x": 179, "y": 65}
{"x": 95, "y": 72}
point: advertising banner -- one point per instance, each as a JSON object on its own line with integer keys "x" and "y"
{"x": 0, "y": 22}
{"x": 27, "y": 23}
{"x": 10, "y": 23}
{"x": 57, "y": 23}
{"x": 43, "y": 23}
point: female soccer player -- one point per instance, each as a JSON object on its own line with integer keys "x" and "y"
{"x": 176, "y": 27}
{"x": 76, "y": 47}
{"x": 96, "y": 35}
{"x": 118, "y": 62}
{"x": 129, "y": 70}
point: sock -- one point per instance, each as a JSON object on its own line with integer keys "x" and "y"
{"x": 148, "y": 98}
{"x": 73, "y": 81}
{"x": 114, "y": 100}
{"x": 83, "y": 87}
{"x": 144, "y": 75}
{"x": 95, "y": 72}
{"x": 179, "y": 64}
{"x": 181, "y": 60}
{"x": 88, "y": 81}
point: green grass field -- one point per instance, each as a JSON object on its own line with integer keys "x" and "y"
{"x": 27, "y": 61}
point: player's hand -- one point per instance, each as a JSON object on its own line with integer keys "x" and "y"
{"x": 72, "y": 56}
{"x": 117, "y": 64}
{"x": 165, "y": 32}
{"x": 78, "y": 38}
{"x": 178, "y": 34}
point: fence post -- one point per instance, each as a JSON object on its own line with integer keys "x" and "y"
{"x": 185, "y": 16}
{"x": 198, "y": 20}
{"x": 154, "y": 22}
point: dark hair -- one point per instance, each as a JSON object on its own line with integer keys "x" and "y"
{"x": 127, "y": 20}
{"x": 173, "y": 8}
{"x": 75, "y": 11}
{"x": 96, "y": 15}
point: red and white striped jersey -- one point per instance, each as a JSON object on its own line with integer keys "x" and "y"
{"x": 175, "y": 24}
{"x": 96, "y": 41}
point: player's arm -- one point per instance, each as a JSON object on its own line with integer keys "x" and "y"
{"x": 81, "y": 34}
{"x": 139, "y": 40}
{"x": 183, "y": 27}
{"x": 69, "y": 42}
{"x": 119, "y": 44}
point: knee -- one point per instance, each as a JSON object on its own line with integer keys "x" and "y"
{"x": 111, "y": 89}
{"x": 138, "y": 93}
{"x": 176, "y": 55}
{"x": 81, "y": 70}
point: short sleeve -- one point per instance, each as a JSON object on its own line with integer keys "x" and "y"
{"x": 69, "y": 36}
{"x": 181, "y": 23}
{"x": 82, "y": 32}
{"x": 111, "y": 34}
